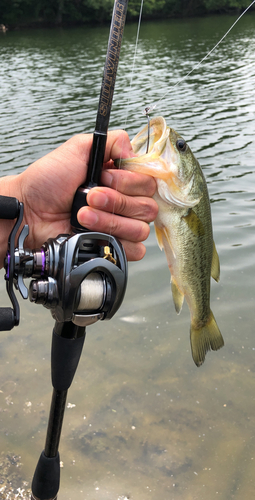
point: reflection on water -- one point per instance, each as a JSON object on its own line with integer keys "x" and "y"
{"x": 142, "y": 421}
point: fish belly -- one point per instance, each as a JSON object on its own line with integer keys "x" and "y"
{"x": 189, "y": 257}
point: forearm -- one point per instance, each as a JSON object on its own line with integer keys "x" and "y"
{"x": 9, "y": 186}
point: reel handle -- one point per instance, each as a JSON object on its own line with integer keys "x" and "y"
{"x": 9, "y": 207}
{"x": 7, "y": 319}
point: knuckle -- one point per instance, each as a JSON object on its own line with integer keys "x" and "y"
{"x": 153, "y": 210}
{"x": 141, "y": 231}
{"x": 148, "y": 210}
{"x": 146, "y": 231}
{"x": 115, "y": 225}
{"x": 124, "y": 135}
{"x": 121, "y": 206}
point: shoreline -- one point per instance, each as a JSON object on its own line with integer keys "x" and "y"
{"x": 43, "y": 24}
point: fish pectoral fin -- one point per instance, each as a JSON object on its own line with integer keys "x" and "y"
{"x": 178, "y": 296}
{"x": 215, "y": 269}
{"x": 204, "y": 339}
{"x": 159, "y": 236}
{"x": 194, "y": 223}
{"x": 162, "y": 234}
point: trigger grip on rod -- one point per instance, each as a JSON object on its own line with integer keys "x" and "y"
{"x": 92, "y": 180}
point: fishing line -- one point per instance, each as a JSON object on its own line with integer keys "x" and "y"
{"x": 130, "y": 85}
{"x": 133, "y": 65}
{"x": 150, "y": 108}
{"x": 134, "y": 59}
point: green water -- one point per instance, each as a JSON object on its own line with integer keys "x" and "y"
{"x": 143, "y": 421}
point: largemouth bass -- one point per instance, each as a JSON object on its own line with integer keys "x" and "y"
{"x": 183, "y": 227}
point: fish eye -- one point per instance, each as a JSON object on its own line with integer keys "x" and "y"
{"x": 181, "y": 145}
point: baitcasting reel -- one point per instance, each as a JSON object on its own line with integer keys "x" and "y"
{"x": 81, "y": 278}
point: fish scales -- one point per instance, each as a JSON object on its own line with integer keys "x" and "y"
{"x": 192, "y": 255}
{"x": 183, "y": 227}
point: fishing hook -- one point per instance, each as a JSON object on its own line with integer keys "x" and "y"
{"x": 146, "y": 112}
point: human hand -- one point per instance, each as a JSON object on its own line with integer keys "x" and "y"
{"x": 122, "y": 208}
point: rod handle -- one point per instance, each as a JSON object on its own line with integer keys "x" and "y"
{"x": 45, "y": 484}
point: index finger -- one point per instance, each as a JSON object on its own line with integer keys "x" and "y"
{"x": 129, "y": 183}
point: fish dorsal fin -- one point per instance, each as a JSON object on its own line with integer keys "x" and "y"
{"x": 178, "y": 297}
{"x": 215, "y": 269}
{"x": 194, "y": 223}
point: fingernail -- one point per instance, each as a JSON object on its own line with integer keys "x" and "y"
{"x": 87, "y": 217}
{"x": 98, "y": 199}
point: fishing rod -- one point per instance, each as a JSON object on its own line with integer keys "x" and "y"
{"x": 104, "y": 110}
{"x": 80, "y": 277}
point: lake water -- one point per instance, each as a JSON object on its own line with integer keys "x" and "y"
{"x": 143, "y": 421}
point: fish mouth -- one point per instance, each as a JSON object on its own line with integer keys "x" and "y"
{"x": 160, "y": 152}
{"x": 158, "y": 134}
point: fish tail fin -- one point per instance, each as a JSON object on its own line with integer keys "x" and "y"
{"x": 204, "y": 339}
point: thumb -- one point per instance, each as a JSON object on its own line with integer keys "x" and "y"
{"x": 118, "y": 145}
